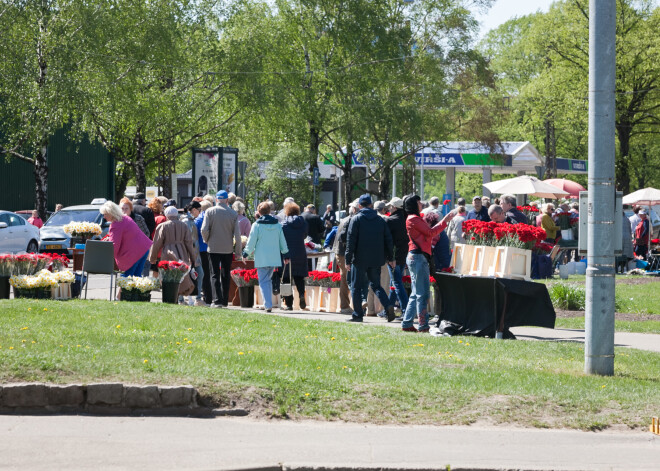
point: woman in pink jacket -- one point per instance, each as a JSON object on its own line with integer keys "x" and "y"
{"x": 130, "y": 244}
{"x": 420, "y": 252}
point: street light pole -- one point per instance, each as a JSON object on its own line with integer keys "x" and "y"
{"x": 600, "y": 283}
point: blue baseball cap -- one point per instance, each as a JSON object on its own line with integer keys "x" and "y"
{"x": 365, "y": 200}
{"x": 222, "y": 195}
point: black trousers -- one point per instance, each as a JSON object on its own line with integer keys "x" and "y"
{"x": 299, "y": 281}
{"x": 207, "y": 289}
{"x": 220, "y": 269}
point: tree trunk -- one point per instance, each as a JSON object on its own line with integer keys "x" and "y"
{"x": 348, "y": 178}
{"x": 408, "y": 176}
{"x": 140, "y": 166}
{"x": 121, "y": 181}
{"x": 41, "y": 180}
{"x": 385, "y": 183}
{"x": 622, "y": 163}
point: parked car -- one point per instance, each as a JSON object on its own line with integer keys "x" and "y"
{"x": 53, "y": 237}
{"x": 27, "y": 214}
{"x": 16, "y": 234}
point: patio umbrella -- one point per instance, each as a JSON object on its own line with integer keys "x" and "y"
{"x": 648, "y": 196}
{"x": 572, "y": 187}
{"x": 525, "y": 185}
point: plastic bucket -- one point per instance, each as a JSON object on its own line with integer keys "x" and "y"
{"x": 580, "y": 268}
{"x": 564, "y": 271}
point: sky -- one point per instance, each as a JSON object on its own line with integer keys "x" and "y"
{"x": 503, "y": 10}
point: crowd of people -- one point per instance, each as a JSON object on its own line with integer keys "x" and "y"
{"x": 374, "y": 245}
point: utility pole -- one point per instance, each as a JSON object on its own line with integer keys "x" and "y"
{"x": 599, "y": 318}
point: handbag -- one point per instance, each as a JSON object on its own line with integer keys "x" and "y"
{"x": 286, "y": 289}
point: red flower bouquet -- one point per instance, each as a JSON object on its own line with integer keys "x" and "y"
{"x": 243, "y": 277}
{"x": 172, "y": 272}
{"x": 446, "y": 202}
{"x": 325, "y": 279}
{"x": 59, "y": 262}
{"x": 495, "y": 234}
{"x": 7, "y": 263}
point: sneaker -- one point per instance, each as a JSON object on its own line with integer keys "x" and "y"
{"x": 288, "y": 308}
{"x": 354, "y": 319}
{"x": 217, "y": 306}
{"x": 408, "y": 329}
{"x": 269, "y": 310}
{"x": 390, "y": 313}
{"x": 200, "y": 302}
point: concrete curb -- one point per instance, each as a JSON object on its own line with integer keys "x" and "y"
{"x": 106, "y": 399}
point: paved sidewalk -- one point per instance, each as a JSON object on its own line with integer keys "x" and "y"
{"x": 99, "y": 288}
{"x": 80, "y": 442}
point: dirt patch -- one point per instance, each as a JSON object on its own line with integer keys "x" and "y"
{"x": 619, "y": 316}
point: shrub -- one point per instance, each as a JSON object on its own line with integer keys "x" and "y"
{"x": 568, "y": 296}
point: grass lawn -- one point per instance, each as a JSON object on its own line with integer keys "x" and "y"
{"x": 637, "y": 296}
{"x": 288, "y": 367}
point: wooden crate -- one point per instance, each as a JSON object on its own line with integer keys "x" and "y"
{"x": 461, "y": 258}
{"x": 483, "y": 258}
{"x": 512, "y": 262}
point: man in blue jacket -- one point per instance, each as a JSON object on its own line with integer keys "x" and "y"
{"x": 368, "y": 247}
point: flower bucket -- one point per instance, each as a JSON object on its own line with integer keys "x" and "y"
{"x": 564, "y": 271}
{"x": 5, "y": 288}
{"x": 62, "y": 291}
{"x": 170, "y": 291}
{"x": 135, "y": 295}
{"x": 39, "y": 293}
{"x": 567, "y": 234}
{"x": 246, "y": 294}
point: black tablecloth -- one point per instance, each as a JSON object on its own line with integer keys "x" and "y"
{"x": 480, "y": 306}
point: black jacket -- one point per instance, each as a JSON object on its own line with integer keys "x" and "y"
{"x": 315, "y": 227}
{"x": 148, "y": 216}
{"x": 396, "y": 223}
{"x": 516, "y": 216}
{"x": 295, "y": 231}
{"x": 369, "y": 241}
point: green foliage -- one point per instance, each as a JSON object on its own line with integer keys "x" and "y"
{"x": 568, "y": 296}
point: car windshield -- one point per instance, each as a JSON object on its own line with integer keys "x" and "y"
{"x": 66, "y": 216}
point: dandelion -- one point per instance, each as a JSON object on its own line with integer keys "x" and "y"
{"x": 318, "y": 367}
{"x": 603, "y": 386}
{"x": 344, "y": 367}
{"x": 78, "y": 346}
{"x": 45, "y": 309}
{"x": 189, "y": 328}
{"x": 333, "y": 338}
{"x": 145, "y": 361}
{"x": 23, "y": 341}
{"x": 29, "y": 309}
{"x": 119, "y": 326}
{"x": 468, "y": 343}
{"x": 178, "y": 343}
{"x": 306, "y": 394}
{"x": 34, "y": 341}
{"x": 460, "y": 341}
{"x": 189, "y": 341}
{"x": 11, "y": 348}
{"x": 24, "y": 328}
{"x": 241, "y": 353}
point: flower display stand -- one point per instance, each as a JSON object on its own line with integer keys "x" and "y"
{"x": 512, "y": 262}
{"x": 316, "y": 297}
{"x": 259, "y": 299}
{"x": 483, "y": 258}
{"x": 329, "y": 299}
{"x": 62, "y": 291}
{"x": 461, "y": 258}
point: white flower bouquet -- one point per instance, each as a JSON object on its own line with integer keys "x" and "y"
{"x": 82, "y": 229}
{"x": 64, "y": 276}
{"x": 34, "y": 286}
{"x": 142, "y": 284}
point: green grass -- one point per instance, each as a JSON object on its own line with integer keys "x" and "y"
{"x": 290, "y": 367}
{"x": 640, "y": 327}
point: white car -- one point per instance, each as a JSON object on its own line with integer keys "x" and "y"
{"x": 17, "y": 235}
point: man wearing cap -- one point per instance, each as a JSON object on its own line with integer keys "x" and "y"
{"x": 396, "y": 223}
{"x": 434, "y": 204}
{"x": 146, "y": 213}
{"x": 479, "y": 212}
{"x": 219, "y": 230}
{"x": 368, "y": 247}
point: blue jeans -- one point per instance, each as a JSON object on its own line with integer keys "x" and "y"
{"x": 420, "y": 291}
{"x": 265, "y": 275}
{"x": 136, "y": 269}
{"x": 396, "y": 277}
{"x": 360, "y": 276}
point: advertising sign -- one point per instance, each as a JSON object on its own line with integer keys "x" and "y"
{"x": 205, "y": 170}
{"x": 229, "y": 163}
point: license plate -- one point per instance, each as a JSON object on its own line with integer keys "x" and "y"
{"x": 53, "y": 247}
